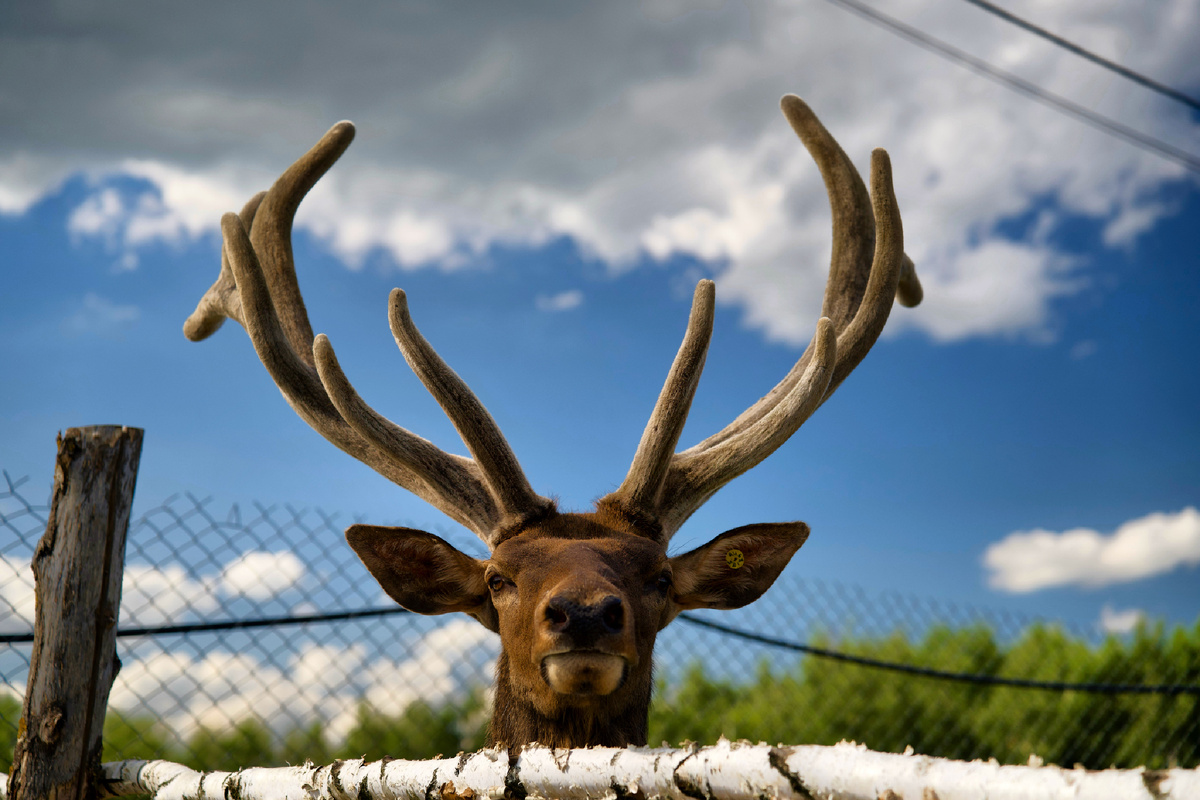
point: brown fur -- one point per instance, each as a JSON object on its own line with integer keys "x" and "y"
{"x": 516, "y": 720}
{"x": 581, "y": 561}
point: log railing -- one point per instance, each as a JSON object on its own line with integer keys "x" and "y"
{"x": 726, "y": 771}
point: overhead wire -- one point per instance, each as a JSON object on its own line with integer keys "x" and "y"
{"x": 1025, "y": 87}
{"x": 1170, "y": 689}
{"x": 1099, "y": 60}
{"x": 983, "y": 679}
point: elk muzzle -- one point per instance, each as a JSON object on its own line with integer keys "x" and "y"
{"x": 587, "y": 642}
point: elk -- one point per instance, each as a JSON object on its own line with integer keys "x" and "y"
{"x": 577, "y": 598}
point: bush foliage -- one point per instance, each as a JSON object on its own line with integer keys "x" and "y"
{"x": 824, "y": 702}
{"x": 817, "y": 701}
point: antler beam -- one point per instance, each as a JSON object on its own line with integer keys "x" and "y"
{"x": 257, "y": 288}
{"x": 653, "y": 457}
{"x": 489, "y": 493}
{"x": 868, "y": 269}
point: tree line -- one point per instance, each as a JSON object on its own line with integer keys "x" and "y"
{"x": 813, "y": 701}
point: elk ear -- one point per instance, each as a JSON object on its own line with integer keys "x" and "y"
{"x": 424, "y": 573}
{"x": 736, "y": 567}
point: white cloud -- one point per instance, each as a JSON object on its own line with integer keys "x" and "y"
{"x": 16, "y": 595}
{"x": 219, "y": 689}
{"x": 445, "y": 662}
{"x": 563, "y": 301}
{"x": 187, "y": 201}
{"x": 996, "y": 288}
{"x": 160, "y": 685}
{"x": 25, "y": 179}
{"x": 159, "y": 595}
{"x": 510, "y": 127}
{"x": 231, "y": 687}
{"x": 149, "y": 595}
{"x": 15, "y": 690}
{"x": 260, "y": 575}
{"x": 1083, "y": 349}
{"x": 181, "y": 205}
{"x": 1120, "y": 622}
{"x": 98, "y": 316}
{"x": 1026, "y": 561}
{"x": 1131, "y": 222}
{"x": 99, "y": 215}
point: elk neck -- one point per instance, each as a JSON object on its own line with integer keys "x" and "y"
{"x": 516, "y": 721}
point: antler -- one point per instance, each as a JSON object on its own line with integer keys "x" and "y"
{"x": 257, "y": 288}
{"x": 867, "y": 270}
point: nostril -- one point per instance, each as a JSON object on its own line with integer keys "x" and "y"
{"x": 612, "y": 613}
{"x": 556, "y": 615}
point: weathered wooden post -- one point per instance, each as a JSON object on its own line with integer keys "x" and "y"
{"x": 77, "y": 568}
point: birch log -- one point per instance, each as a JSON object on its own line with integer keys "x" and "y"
{"x": 726, "y": 771}
{"x": 77, "y": 569}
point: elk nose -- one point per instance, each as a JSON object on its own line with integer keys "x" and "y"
{"x": 585, "y": 623}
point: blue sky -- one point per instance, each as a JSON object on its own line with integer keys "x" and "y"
{"x": 548, "y": 185}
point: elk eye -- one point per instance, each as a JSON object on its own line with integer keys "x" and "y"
{"x": 496, "y": 583}
{"x": 663, "y": 583}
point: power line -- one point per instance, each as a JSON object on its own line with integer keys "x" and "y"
{"x": 1112, "y": 66}
{"x": 231, "y": 625}
{"x": 820, "y": 652}
{"x": 962, "y": 677}
{"x": 1027, "y": 88}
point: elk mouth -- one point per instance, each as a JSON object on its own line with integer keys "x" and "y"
{"x": 584, "y": 672}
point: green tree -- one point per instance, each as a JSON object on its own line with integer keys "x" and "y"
{"x": 10, "y": 718}
{"x": 822, "y": 701}
{"x": 421, "y": 731}
{"x": 246, "y": 744}
{"x": 127, "y": 736}
{"x": 306, "y": 744}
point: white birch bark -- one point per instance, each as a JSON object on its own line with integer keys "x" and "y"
{"x": 727, "y": 770}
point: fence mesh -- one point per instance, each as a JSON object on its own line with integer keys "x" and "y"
{"x": 410, "y": 686}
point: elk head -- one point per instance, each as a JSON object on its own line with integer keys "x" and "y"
{"x": 577, "y": 598}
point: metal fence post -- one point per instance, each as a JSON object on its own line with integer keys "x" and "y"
{"x": 77, "y": 568}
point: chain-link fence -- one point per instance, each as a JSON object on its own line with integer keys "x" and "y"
{"x": 255, "y": 637}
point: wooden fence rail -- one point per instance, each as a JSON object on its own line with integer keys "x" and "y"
{"x": 726, "y": 771}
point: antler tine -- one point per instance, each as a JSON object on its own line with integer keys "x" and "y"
{"x": 271, "y": 233}
{"x": 830, "y": 363}
{"x": 696, "y": 476}
{"x": 295, "y": 378}
{"x": 644, "y": 481}
{"x": 499, "y": 467}
{"x": 271, "y": 236}
{"x": 857, "y": 338}
{"x": 850, "y": 264}
{"x": 221, "y": 301}
{"x": 257, "y": 287}
{"x": 302, "y": 388}
{"x": 908, "y": 291}
{"x": 853, "y": 222}
{"x": 454, "y": 478}
{"x": 698, "y": 472}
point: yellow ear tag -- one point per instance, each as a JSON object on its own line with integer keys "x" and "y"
{"x": 734, "y": 558}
